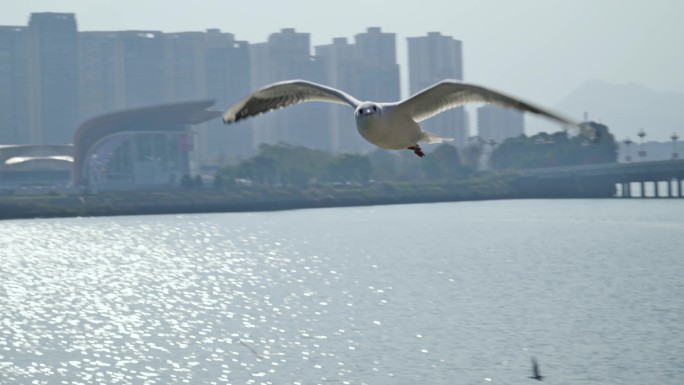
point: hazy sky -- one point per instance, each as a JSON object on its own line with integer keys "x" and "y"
{"x": 538, "y": 49}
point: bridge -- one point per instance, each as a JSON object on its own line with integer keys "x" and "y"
{"x": 663, "y": 179}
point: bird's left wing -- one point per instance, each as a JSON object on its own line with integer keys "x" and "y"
{"x": 449, "y": 94}
{"x": 283, "y": 94}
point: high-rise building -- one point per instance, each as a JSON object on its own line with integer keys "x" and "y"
{"x": 14, "y": 85}
{"x": 341, "y": 71}
{"x": 498, "y": 124}
{"x": 144, "y": 68}
{"x": 100, "y": 85}
{"x": 433, "y": 58}
{"x": 53, "y": 78}
{"x": 227, "y": 79}
{"x": 126, "y": 69}
{"x": 368, "y": 70}
{"x": 185, "y": 56}
{"x": 378, "y": 73}
{"x": 285, "y": 56}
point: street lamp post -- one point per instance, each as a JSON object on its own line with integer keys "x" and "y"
{"x": 675, "y": 154}
{"x": 492, "y": 143}
{"x": 628, "y": 147}
{"x": 642, "y": 152}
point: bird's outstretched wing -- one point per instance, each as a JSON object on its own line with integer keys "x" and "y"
{"x": 448, "y": 94}
{"x": 283, "y": 94}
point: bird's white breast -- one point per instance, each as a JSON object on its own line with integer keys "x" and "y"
{"x": 389, "y": 129}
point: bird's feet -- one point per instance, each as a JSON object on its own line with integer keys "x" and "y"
{"x": 417, "y": 150}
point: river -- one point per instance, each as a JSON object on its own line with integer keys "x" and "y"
{"x": 447, "y": 293}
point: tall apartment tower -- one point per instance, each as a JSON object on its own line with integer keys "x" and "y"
{"x": 144, "y": 67}
{"x": 100, "y": 85}
{"x": 185, "y": 54}
{"x": 433, "y": 58}
{"x": 341, "y": 70}
{"x": 53, "y": 78}
{"x": 378, "y": 72}
{"x": 14, "y": 85}
{"x": 498, "y": 124}
{"x": 227, "y": 79}
{"x": 285, "y": 56}
{"x": 125, "y": 69}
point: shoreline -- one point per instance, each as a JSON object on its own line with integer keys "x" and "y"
{"x": 277, "y": 198}
{"x": 47, "y": 209}
{"x": 251, "y": 199}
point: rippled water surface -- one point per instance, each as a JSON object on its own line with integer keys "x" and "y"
{"x": 457, "y": 293}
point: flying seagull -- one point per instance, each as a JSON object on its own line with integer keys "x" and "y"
{"x": 394, "y": 125}
{"x": 535, "y": 371}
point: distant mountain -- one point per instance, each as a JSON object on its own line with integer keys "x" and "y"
{"x": 626, "y": 108}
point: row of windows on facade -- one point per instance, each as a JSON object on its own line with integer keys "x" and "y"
{"x": 67, "y": 76}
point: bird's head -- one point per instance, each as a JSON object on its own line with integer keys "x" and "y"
{"x": 367, "y": 109}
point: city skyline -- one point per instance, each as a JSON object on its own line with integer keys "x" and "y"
{"x": 538, "y": 50}
{"x": 404, "y": 69}
{"x": 120, "y": 70}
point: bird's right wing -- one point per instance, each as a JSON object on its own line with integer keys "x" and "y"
{"x": 449, "y": 94}
{"x": 283, "y": 94}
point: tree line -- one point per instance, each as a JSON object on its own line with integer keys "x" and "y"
{"x": 298, "y": 166}
{"x": 290, "y": 165}
{"x": 555, "y": 150}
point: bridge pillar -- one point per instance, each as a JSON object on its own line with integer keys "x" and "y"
{"x": 642, "y": 184}
{"x": 657, "y": 192}
{"x": 656, "y": 188}
{"x": 670, "y": 189}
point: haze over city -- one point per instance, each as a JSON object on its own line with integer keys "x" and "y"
{"x": 541, "y": 51}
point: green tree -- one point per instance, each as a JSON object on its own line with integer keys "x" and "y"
{"x": 225, "y": 177}
{"x": 197, "y": 182}
{"x": 384, "y": 164}
{"x": 260, "y": 169}
{"x": 349, "y": 168}
{"x": 281, "y": 164}
{"x": 186, "y": 182}
{"x": 557, "y": 149}
{"x": 471, "y": 156}
{"x": 443, "y": 162}
{"x": 295, "y": 165}
{"x": 218, "y": 181}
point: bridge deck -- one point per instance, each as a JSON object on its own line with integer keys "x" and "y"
{"x": 623, "y": 174}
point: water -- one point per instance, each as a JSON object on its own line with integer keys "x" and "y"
{"x": 454, "y": 293}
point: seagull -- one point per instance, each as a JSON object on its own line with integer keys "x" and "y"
{"x": 393, "y": 125}
{"x": 535, "y": 371}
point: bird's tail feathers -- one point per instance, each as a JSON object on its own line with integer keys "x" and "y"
{"x": 432, "y": 138}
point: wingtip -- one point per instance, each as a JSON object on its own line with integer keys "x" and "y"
{"x": 227, "y": 119}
